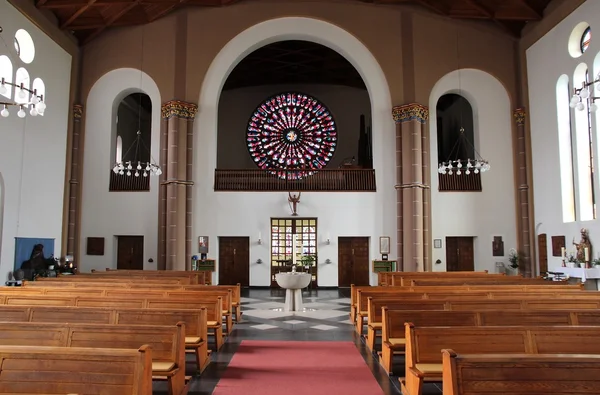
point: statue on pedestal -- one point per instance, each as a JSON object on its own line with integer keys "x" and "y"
{"x": 294, "y": 199}
{"x": 584, "y": 247}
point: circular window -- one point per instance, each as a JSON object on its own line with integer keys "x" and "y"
{"x": 24, "y": 46}
{"x": 291, "y": 131}
{"x": 586, "y": 37}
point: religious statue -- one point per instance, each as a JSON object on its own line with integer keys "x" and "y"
{"x": 584, "y": 247}
{"x": 294, "y": 199}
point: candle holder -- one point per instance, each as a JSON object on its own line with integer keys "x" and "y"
{"x": 564, "y": 264}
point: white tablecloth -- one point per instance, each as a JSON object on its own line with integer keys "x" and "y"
{"x": 578, "y": 272}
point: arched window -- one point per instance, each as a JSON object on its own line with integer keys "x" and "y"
{"x": 22, "y": 77}
{"x": 586, "y": 38}
{"x": 119, "y": 150}
{"x": 454, "y": 112}
{"x": 134, "y": 114}
{"x": 39, "y": 88}
{"x": 6, "y": 74}
{"x": 584, "y": 156}
{"x": 24, "y": 46}
{"x": 565, "y": 146}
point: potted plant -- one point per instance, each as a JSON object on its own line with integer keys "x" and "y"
{"x": 513, "y": 259}
{"x": 307, "y": 261}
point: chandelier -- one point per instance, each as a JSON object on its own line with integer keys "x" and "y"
{"x": 29, "y": 97}
{"x": 467, "y": 166}
{"x": 454, "y": 164}
{"x": 137, "y": 167}
{"x": 583, "y": 93}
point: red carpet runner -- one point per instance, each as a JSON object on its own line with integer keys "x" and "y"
{"x": 297, "y": 368}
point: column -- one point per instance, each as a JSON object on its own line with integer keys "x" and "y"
{"x": 74, "y": 184}
{"x": 412, "y": 156}
{"x": 176, "y": 185}
{"x": 523, "y": 224}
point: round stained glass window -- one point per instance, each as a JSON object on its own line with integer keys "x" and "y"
{"x": 291, "y": 131}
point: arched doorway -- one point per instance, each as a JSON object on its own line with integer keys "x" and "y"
{"x": 382, "y": 208}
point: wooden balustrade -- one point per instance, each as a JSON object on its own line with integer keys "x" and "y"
{"x": 124, "y": 183}
{"x": 459, "y": 183}
{"x": 334, "y": 180}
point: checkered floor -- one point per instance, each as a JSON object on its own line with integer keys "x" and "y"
{"x": 325, "y": 312}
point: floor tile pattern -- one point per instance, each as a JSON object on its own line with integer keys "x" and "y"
{"x": 326, "y": 318}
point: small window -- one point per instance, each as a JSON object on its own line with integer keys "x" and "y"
{"x": 22, "y": 96}
{"x": 6, "y": 72}
{"x": 24, "y": 46}
{"x": 586, "y": 37}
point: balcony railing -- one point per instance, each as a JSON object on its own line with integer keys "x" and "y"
{"x": 124, "y": 183}
{"x": 459, "y": 183}
{"x": 334, "y": 180}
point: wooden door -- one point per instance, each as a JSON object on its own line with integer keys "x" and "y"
{"x": 543, "y": 253}
{"x": 353, "y": 261}
{"x": 234, "y": 261}
{"x": 459, "y": 254}
{"x": 130, "y": 252}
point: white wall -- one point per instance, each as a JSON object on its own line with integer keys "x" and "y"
{"x": 491, "y": 212}
{"x": 33, "y": 149}
{"x": 236, "y": 106}
{"x": 246, "y": 214}
{"x": 110, "y": 214}
{"x": 547, "y": 60}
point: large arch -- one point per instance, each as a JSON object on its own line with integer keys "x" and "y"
{"x": 108, "y": 214}
{"x": 320, "y": 32}
{"x": 491, "y": 212}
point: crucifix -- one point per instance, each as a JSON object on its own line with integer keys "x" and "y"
{"x": 294, "y": 199}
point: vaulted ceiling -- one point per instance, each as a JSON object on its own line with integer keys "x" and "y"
{"x": 89, "y": 18}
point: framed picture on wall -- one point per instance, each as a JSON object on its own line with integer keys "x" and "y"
{"x": 437, "y": 243}
{"x": 203, "y": 244}
{"x": 384, "y": 245}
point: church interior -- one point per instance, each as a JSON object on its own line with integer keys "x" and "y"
{"x": 349, "y": 196}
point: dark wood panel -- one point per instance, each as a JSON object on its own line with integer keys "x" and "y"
{"x": 234, "y": 260}
{"x": 130, "y": 252}
{"x": 459, "y": 254}
{"x": 543, "y": 251}
{"x": 353, "y": 261}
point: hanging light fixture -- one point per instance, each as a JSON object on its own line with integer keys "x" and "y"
{"x": 454, "y": 164}
{"x": 583, "y": 94}
{"x": 137, "y": 167}
{"x": 34, "y": 101}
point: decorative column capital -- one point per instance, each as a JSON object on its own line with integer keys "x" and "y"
{"x": 520, "y": 115}
{"x": 77, "y": 112}
{"x": 410, "y": 112}
{"x": 179, "y": 109}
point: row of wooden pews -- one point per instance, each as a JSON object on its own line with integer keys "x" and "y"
{"x": 152, "y": 317}
{"x": 446, "y": 324}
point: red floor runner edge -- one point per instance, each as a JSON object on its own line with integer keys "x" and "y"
{"x": 297, "y": 367}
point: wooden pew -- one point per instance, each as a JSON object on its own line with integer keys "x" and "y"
{"x": 195, "y": 321}
{"x": 386, "y": 278}
{"x": 484, "y": 281}
{"x": 212, "y": 305}
{"x": 196, "y": 276}
{"x": 393, "y": 332}
{"x": 58, "y": 287}
{"x": 33, "y": 370}
{"x": 375, "y": 303}
{"x": 146, "y": 279}
{"x": 424, "y": 344}
{"x": 354, "y": 290}
{"x": 362, "y": 304}
{"x": 167, "y": 343}
{"x": 520, "y": 374}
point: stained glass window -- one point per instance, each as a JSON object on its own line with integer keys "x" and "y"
{"x": 585, "y": 39}
{"x": 291, "y": 131}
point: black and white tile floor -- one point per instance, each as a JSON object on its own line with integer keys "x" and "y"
{"x": 326, "y": 318}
